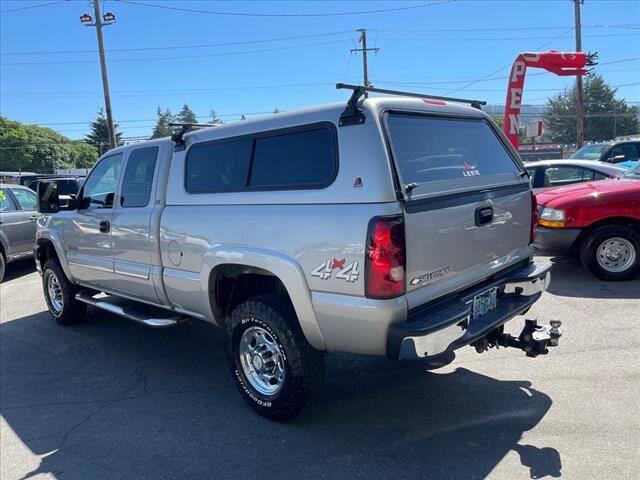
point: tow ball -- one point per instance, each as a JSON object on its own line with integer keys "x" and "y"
{"x": 534, "y": 339}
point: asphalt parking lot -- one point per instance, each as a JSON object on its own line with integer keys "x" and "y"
{"x": 112, "y": 399}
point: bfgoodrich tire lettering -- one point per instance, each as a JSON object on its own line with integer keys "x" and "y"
{"x": 624, "y": 243}
{"x": 303, "y": 365}
{"x": 65, "y": 309}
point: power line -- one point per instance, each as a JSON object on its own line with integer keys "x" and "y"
{"x": 32, "y": 6}
{"x": 495, "y": 39}
{"x": 508, "y": 29}
{"x": 181, "y": 57}
{"x": 180, "y": 47}
{"x": 137, "y": 93}
{"x": 257, "y": 14}
{"x": 297, "y": 37}
{"x": 224, "y": 115}
{"x": 508, "y": 65}
{"x": 330, "y": 82}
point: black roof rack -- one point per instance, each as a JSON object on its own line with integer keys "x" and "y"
{"x": 352, "y": 115}
{"x": 178, "y": 137}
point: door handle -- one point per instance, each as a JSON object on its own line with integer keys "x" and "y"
{"x": 33, "y": 218}
{"x": 105, "y": 226}
{"x": 484, "y": 216}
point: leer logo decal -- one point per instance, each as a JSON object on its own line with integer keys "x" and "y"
{"x": 470, "y": 170}
{"x": 324, "y": 271}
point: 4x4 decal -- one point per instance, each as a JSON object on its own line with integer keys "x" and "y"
{"x": 324, "y": 271}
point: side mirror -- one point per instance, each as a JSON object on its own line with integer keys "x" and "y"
{"x": 48, "y": 198}
{"x": 617, "y": 159}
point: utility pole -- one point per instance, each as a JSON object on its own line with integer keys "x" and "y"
{"x": 364, "y": 50}
{"x": 99, "y": 21}
{"x": 579, "y": 91}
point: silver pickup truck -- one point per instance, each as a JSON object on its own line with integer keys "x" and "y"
{"x": 390, "y": 226}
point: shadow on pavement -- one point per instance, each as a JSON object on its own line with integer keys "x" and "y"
{"x": 19, "y": 269}
{"x": 570, "y": 279}
{"x": 111, "y": 399}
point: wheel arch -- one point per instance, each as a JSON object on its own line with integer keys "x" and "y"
{"x": 630, "y": 222}
{"x": 48, "y": 246}
{"x": 262, "y": 269}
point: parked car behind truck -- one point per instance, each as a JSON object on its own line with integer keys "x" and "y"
{"x": 599, "y": 221}
{"x": 17, "y": 224}
{"x": 394, "y": 226}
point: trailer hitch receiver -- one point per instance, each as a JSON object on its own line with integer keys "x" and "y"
{"x": 534, "y": 339}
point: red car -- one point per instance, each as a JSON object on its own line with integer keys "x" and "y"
{"x": 598, "y": 220}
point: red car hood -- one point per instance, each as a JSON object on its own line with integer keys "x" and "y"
{"x": 613, "y": 188}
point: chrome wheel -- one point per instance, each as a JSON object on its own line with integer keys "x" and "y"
{"x": 616, "y": 255}
{"x": 54, "y": 292}
{"x": 262, "y": 360}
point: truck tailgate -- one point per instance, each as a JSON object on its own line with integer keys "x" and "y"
{"x": 449, "y": 249}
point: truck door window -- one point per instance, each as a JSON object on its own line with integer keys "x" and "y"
{"x": 218, "y": 166}
{"x": 628, "y": 150}
{"x": 26, "y": 198}
{"x": 102, "y": 182}
{"x": 6, "y": 202}
{"x": 138, "y": 177}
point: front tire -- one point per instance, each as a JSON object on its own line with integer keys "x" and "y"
{"x": 273, "y": 366}
{"x": 59, "y": 294}
{"x": 611, "y": 252}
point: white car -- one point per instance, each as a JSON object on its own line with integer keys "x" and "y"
{"x": 558, "y": 173}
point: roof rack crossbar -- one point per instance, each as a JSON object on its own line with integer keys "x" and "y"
{"x": 178, "y": 137}
{"x": 352, "y": 115}
{"x": 473, "y": 103}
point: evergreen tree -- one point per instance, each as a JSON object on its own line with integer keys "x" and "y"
{"x": 162, "y": 127}
{"x": 186, "y": 115}
{"x": 600, "y": 105}
{"x": 99, "y": 134}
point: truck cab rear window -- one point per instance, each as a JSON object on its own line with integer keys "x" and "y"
{"x": 301, "y": 158}
{"x": 429, "y": 149}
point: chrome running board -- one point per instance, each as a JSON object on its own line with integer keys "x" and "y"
{"x": 138, "y": 312}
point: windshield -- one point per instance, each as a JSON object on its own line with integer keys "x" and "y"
{"x": 590, "y": 152}
{"x": 634, "y": 172}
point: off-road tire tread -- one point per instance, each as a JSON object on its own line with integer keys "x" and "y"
{"x": 595, "y": 238}
{"x": 305, "y": 364}
{"x": 73, "y": 311}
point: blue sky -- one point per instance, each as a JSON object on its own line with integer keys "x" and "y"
{"x": 447, "y": 42}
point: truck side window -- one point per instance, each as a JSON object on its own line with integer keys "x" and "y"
{"x": 101, "y": 184}
{"x": 299, "y": 159}
{"x": 138, "y": 177}
{"x": 627, "y": 149}
{"x": 218, "y": 166}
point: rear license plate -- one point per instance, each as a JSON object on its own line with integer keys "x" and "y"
{"x": 484, "y": 302}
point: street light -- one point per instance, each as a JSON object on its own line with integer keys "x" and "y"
{"x": 109, "y": 18}
{"x": 85, "y": 19}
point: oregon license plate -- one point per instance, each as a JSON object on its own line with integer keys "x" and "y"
{"x": 484, "y": 302}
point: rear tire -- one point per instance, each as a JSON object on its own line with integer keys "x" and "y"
{"x": 273, "y": 366}
{"x": 3, "y": 266}
{"x": 59, "y": 293}
{"x": 611, "y": 252}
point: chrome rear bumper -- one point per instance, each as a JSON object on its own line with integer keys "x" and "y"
{"x": 448, "y": 325}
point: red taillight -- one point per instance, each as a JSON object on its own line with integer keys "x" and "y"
{"x": 385, "y": 258}
{"x": 534, "y": 217}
